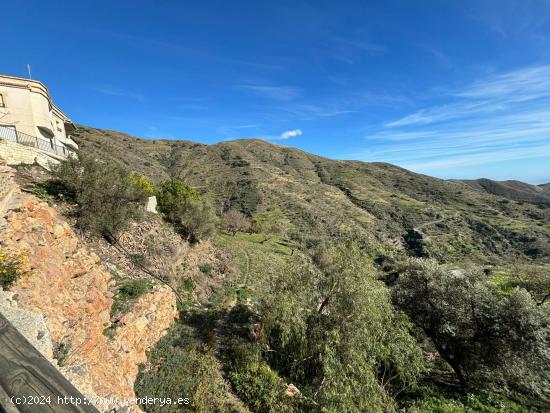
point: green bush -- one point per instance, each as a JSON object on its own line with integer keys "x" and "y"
{"x": 205, "y": 268}
{"x": 198, "y": 221}
{"x": 38, "y": 190}
{"x": 107, "y": 197}
{"x": 180, "y": 366}
{"x": 173, "y": 197}
{"x": 182, "y": 206}
{"x": 469, "y": 403}
{"x": 262, "y": 390}
{"x": 185, "y": 289}
{"x": 129, "y": 290}
{"x": 142, "y": 183}
{"x": 11, "y": 268}
{"x": 133, "y": 289}
{"x": 137, "y": 259}
{"x": 272, "y": 224}
{"x": 254, "y": 381}
{"x": 61, "y": 352}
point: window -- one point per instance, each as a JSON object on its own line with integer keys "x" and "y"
{"x": 2, "y": 101}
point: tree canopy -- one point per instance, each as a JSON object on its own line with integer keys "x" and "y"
{"x": 481, "y": 332}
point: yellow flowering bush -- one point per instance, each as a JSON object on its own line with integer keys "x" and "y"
{"x": 12, "y": 268}
{"x": 142, "y": 183}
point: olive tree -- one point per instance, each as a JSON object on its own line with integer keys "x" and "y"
{"x": 479, "y": 331}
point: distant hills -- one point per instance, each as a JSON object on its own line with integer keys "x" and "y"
{"x": 391, "y": 207}
{"x": 514, "y": 190}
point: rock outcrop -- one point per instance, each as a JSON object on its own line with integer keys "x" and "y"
{"x": 69, "y": 287}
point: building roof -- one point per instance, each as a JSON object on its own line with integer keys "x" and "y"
{"x": 35, "y": 86}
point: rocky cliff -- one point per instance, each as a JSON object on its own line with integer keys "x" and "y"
{"x": 69, "y": 293}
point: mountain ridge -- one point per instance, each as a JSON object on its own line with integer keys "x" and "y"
{"x": 325, "y": 198}
{"x": 512, "y": 189}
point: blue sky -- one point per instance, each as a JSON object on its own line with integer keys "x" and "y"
{"x": 454, "y": 89}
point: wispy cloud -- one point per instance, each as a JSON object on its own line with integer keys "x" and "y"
{"x": 496, "y": 94}
{"x": 178, "y": 46}
{"x": 110, "y": 91}
{"x": 347, "y": 104}
{"x": 362, "y": 44}
{"x": 283, "y": 93}
{"x": 308, "y": 111}
{"x": 520, "y": 85}
{"x": 246, "y": 126}
{"x": 291, "y": 134}
{"x": 499, "y": 118}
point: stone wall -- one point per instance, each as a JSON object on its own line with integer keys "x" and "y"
{"x": 15, "y": 154}
{"x": 7, "y": 185}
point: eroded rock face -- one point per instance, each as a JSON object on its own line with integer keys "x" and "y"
{"x": 69, "y": 287}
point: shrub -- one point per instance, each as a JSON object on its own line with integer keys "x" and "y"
{"x": 129, "y": 290}
{"x": 271, "y": 224}
{"x": 182, "y": 206}
{"x": 137, "y": 259}
{"x": 235, "y": 221}
{"x": 38, "y": 190}
{"x": 198, "y": 221}
{"x": 206, "y": 268}
{"x": 254, "y": 381}
{"x": 185, "y": 289}
{"x": 107, "y": 197}
{"x": 142, "y": 183}
{"x": 179, "y": 366}
{"x": 468, "y": 403}
{"x": 11, "y": 268}
{"x": 173, "y": 196}
{"x": 133, "y": 289}
{"x": 61, "y": 352}
{"x": 262, "y": 390}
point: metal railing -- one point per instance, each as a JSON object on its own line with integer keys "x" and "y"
{"x": 12, "y": 135}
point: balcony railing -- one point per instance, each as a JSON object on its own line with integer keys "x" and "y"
{"x": 12, "y": 135}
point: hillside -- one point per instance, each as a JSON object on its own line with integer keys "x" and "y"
{"x": 322, "y": 198}
{"x": 318, "y": 286}
{"x": 514, "y": 190}
{"x": 62, "y": 303}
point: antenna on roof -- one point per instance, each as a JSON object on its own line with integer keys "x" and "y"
{"x": 29, "y": 70}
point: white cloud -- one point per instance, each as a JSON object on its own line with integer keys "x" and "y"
{"x": 119, "y": 93}
{"x": 246, "y": 126}
{"x": 498, "y": 93}
{"x": 284, "y": 93}
{"x": 495, "y": 119}
{"x": 290, "y": 134}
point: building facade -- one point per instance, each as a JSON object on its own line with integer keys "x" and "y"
{"x": 28, "y": 117}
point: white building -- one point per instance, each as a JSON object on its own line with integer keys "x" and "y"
{"x": 32, "y": 128}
